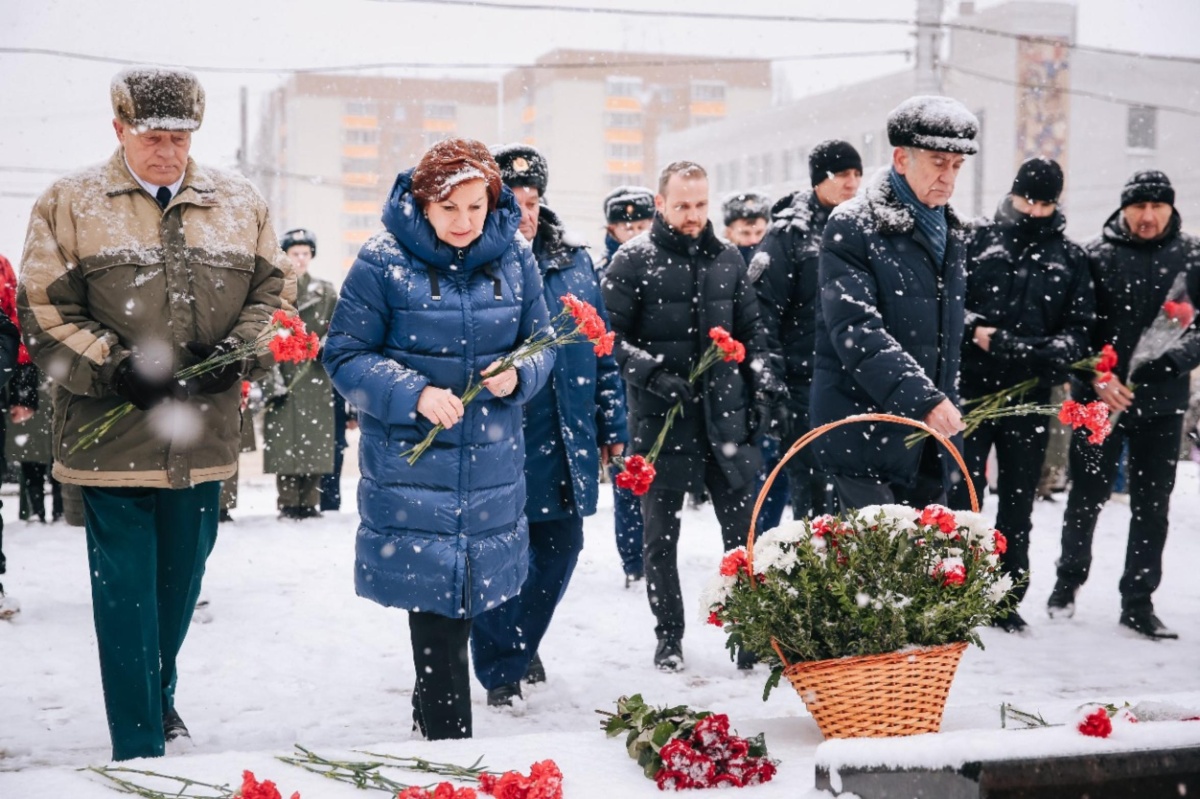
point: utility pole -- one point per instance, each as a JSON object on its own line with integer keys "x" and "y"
{"x": 929, "y": 45}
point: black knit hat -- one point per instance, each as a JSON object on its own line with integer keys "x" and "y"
{"x": 933, "y": 122}
{"x": 745, "y": 205}
{"x": 830, "y": 157}
{"x": 522, "y": 165}
{"x": 629, "y": 204}
{"x": 299, "y": 236}
{"x": 158, "y": 98}
{"x": 1148, "y": 186}
{"x": 1039, "y": 179}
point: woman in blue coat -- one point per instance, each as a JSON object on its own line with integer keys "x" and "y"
{"x": 574, "y": 421}
{"x": 432, "y": 302}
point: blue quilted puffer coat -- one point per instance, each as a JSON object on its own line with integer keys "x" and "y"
{"x": 447, "y": 535}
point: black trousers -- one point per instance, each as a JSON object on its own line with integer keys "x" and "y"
{"x": 33, "y": 491}
{"x": 858, "y": 492}
{"x": 811, "y": 489}
{"x": 660, "y": 509}
{"x": 442, "y": 697}
{"x": 1153, "y": 455}
{"x": 1020, "y": 443}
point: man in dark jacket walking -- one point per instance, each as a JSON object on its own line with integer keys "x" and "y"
{"x": 1134, "y": 264}
{"x": 890, "y": 323}
{"x": 628, "y": 212}
{"x": 785, "y": 272}
{"x": 664, "y": 293}
{"x": 575, "y": 422}
{"x": 1030, "y": 310}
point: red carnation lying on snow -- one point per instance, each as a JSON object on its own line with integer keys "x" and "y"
{"x": 544, "y": 782}
{"x": 253, "y": 789}
{"x": 1096, "y": 724}
{"x": 443, "y": 791}
{"x": 636, "y": 474}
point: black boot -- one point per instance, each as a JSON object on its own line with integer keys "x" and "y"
{"x": 1010, "y": 622}
{"x": 668, "y": 656}
{"x": 223, "y": 517}
{"x": 1061, "y": 604}
{"x": 536, "y": 672}
{"x": 503, "y": 695}
{"x": 173, "y": 726}
{"x": 1142, "y": 621}
{"x": 746, "y": 659}
{"x": 290, "y": 513}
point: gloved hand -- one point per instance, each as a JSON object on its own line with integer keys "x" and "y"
{"x": 760, "y": 420}
{"x": 1159, "y": 370}
{"x": 670, "y": 386}
{"x": 781, "y": 421}
{"x": 219, "y": 380}
{"x": 144, "y": 387}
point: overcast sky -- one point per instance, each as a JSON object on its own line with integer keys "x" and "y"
{"x": 55, "y": 112}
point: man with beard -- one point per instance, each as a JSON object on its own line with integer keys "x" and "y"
{"x": 664, "y": 293}
{"x": 1134, "y": 263}
{"x": 1030, "y": 310}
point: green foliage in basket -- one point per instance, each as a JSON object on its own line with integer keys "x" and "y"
{"x": 868, "y": 582}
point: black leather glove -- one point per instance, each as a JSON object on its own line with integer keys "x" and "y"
{"x": 670, "y": 386}
{"x": 1159, "y": 370}
{"x": 142, "y": 386}
{"x": 781, "y": 421}
{"x": 760, "y": 420}
{"x": 219, "y": 380}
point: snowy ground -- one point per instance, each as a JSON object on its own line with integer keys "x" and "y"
{"x": 292, "y": 655}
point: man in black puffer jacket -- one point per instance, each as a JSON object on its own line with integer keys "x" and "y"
{"x": 665, "y": 290}
{"x": 890, "y": 318}
{"x": 1134, "y": 264}
{"x": 1030, "y": 310}
{"x": 787, "y": 260}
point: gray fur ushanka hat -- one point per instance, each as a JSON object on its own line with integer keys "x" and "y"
{"x": 933, "y": 122}
{"x": 158, "y": 98}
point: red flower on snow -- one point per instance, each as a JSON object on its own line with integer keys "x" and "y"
{"x": 731, "y": 348}
{"x": 941, "y": 518}
{"x": 951, "y": 576}
{"x": 1181, "y": 312}
{"x": 636, "y": 474}
{"x": 544, "y": 782}
{"x": 253, "y": 789}
{"x": 1096, "y": 724}
{"x": 1093, "y": 416}
{"x": 589, "y": 324}
{"x": 734, "y": 562}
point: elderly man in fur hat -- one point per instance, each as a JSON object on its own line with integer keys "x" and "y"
{"x": 134, "y": 269}
{"x": 890, "y": 318}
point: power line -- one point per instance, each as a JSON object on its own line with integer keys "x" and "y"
{"x": 799, "y": 18}
{"x": 1077, "y": 92}
{"x": 597, "y": 64}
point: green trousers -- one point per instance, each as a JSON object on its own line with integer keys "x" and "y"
{"x": 146, "y": 548}
{"x": 298, "y": 490}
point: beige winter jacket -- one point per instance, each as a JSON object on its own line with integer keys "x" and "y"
{"x": 105, "y": 270}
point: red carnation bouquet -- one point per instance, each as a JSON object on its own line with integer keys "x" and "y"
{"x": 680, "y": 748}
{"x": 577, "y": 322}
{"x": 284, "y": 337}
{"x": 637, "y": 472}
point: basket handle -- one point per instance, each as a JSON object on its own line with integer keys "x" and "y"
{"x": 816, "y": 433}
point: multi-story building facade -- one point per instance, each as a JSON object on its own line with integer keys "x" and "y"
{"x": 1102, "y": 115}
{"x": 328, "y": 146}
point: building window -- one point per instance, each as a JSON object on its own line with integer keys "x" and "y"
{"x": 619, "y": 151}
{"x": 1142, "y": 128}
{"x": 361, "y": 136}
{"x": 708, "y": 91}
{"x": 435, "y": 110}
{"x": 360, "y": 165}
{"x": 616, "y": 119}
{"x": 616, "y": 179}
{"x": 359, "y": 194}
{"x": 622, "y": 86}
{"x": 361, "y": 108}
{"x": 359, "y": 221}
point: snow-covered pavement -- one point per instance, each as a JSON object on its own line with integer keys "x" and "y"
{"x": 293, "y": 656}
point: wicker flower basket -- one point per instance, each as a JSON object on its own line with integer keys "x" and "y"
{"x": 872, "y": 696}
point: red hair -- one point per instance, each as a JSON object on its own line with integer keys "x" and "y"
{"x": 450, "y": 163}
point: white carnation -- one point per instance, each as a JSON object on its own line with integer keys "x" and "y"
{"x": 1000, "y": 588}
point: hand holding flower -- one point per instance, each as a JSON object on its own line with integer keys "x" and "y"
{"x": 440, "y": 406}
{"x": 502, "y": 383}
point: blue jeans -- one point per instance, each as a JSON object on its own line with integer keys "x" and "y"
{"x": 505, "y": 638}
{"x": 627, "y": 515}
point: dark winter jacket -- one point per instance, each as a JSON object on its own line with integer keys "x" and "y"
{"x": 664, "y": 292}
{"x": 1031, "y": 283}
{"x": 889, "y": 331}
{"x": 1132, "y": 278}
{"x": 582, "y": 406}
{"x": 448, "y": 534}
{"x": 788, "y": 258}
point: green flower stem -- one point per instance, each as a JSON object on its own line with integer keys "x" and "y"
{"x": 711, "y": 356}
{"x": 365, "y": 774}
{"x": 123, "y": 785}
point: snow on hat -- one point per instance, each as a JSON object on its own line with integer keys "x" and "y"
{"x": 299, "y": 236}
{"x": 933, "y": 122}
{"x": 629, "y": 204}
{"x": 522, "y": 165}
{"x": 745, "y": 205}
{"x": 1148, "y": 186}
{"x": 1039, "y": 180}
{"x": 158, "y": 98}
{"x": 831, "y": 157}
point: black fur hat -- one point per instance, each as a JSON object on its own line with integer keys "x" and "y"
{"x": 522, "y": 165}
